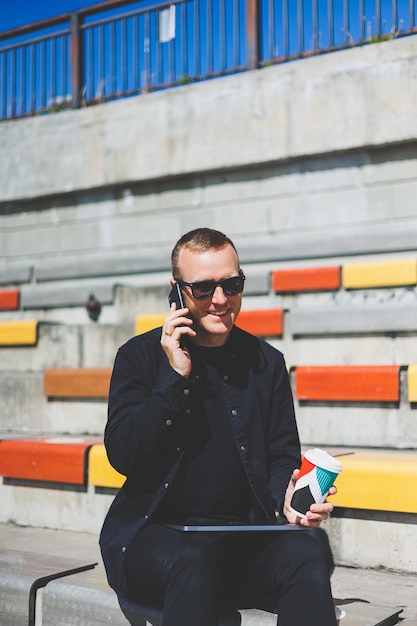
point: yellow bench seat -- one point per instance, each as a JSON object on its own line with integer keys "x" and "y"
{"x": 372, "y": 480}
{"x": 18, "y": 333}
{"x": 100, "y": 472}
{"x": 378, "y": 481}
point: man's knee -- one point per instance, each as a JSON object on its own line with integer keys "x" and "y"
{"x": 196, "y": 554}
{"x": 308, "y": 548}
{"x": 323, "y": 546}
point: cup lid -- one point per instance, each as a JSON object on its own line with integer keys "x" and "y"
{"x": 323, "y": 459}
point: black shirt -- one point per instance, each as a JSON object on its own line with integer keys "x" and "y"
{"x": 211, "y": 485}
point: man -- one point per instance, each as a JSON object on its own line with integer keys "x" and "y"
{"x": 201, "y": 421}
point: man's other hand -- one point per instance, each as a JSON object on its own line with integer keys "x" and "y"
{"x": 317, "y": 513}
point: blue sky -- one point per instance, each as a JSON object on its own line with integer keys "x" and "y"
{"x": 15, "y": 13}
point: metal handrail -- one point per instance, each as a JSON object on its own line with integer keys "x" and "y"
{"x": 120, "y": 48}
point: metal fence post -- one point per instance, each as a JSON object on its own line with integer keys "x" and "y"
{"x": 252, "y": 33}
{"x": 77, "y": 63}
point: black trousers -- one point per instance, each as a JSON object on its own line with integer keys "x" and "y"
{"x": 193, "y": 575}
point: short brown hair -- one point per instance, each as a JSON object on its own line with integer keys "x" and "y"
{"x": 199, "y": 240}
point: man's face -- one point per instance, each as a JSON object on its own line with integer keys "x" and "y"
{"x": 214, "y": 317}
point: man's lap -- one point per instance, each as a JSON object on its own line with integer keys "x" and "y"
{"x": 249, "y": 566}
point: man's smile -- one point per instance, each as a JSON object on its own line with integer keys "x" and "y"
{"x": 219, "y": 313}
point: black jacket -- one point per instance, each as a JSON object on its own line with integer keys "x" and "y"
{"x": 148, "y": 398}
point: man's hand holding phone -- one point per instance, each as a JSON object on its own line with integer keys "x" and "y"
{"x": 176, "y": 326}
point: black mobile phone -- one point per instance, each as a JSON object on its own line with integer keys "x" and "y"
{"x": 175, "y": 295}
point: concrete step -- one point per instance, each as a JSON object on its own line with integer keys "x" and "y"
{"x": 67, "y": 345}
{"x": 366, "y": 596}
{"x": 64, "y": 301}
{"x": 68, "y": 507}
{"x": 26, "y": 409}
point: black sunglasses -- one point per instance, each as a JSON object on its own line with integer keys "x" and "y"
{"x": 205, "y": 289}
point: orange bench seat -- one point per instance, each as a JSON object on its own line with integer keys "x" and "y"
{"x": 83, "y": 382}
{"x": 50, "y": 459}
{"x": 9, "y": 299}
{"x": 306, "y": 279}
{"x": 361, "y": 383}
{"x": 262, "y": 323}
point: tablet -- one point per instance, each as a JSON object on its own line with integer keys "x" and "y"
{"x": 234, "y": 527}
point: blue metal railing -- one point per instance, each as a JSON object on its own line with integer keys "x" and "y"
{"x": 120, "y": 48}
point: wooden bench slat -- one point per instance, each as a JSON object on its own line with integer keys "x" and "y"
{"x": 146, "y": 322}
{"x": 100, "y": 472}
{"x": 45, "y": 459}
{"x": 77, "y": 382}
{"x": 306, "y": 279}
{"x": 373, "y": 383}
{"x": 9, "y": 299}
{"x": 412, "y": 382}
{"x": 18, "y": 333}
{"x": 262, "y": 323}
{"x": 381, "y": 274}
{"x": 380, "y": 481}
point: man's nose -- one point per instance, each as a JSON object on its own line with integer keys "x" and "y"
{"x": 219, "y": 295}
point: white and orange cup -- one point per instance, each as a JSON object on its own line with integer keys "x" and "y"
{"x": 318, "y": 472}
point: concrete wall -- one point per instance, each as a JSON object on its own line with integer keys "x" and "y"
{"x": 310, "y": 159}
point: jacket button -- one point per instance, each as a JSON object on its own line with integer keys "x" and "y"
{"x": 233, "y": 412}
{"x": 124, "y": 549}
{"x": 186, "y": 392}
{"x": 168, "y": 423}
{"x": 166, "y": 485}
{"x": 243, "y": 448}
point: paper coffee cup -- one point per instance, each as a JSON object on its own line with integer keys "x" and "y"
{"x": 318, "y": 472}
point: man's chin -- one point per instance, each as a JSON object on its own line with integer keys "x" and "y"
{"x": 217, "y": 329}
{"x": 220, "y": 325}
